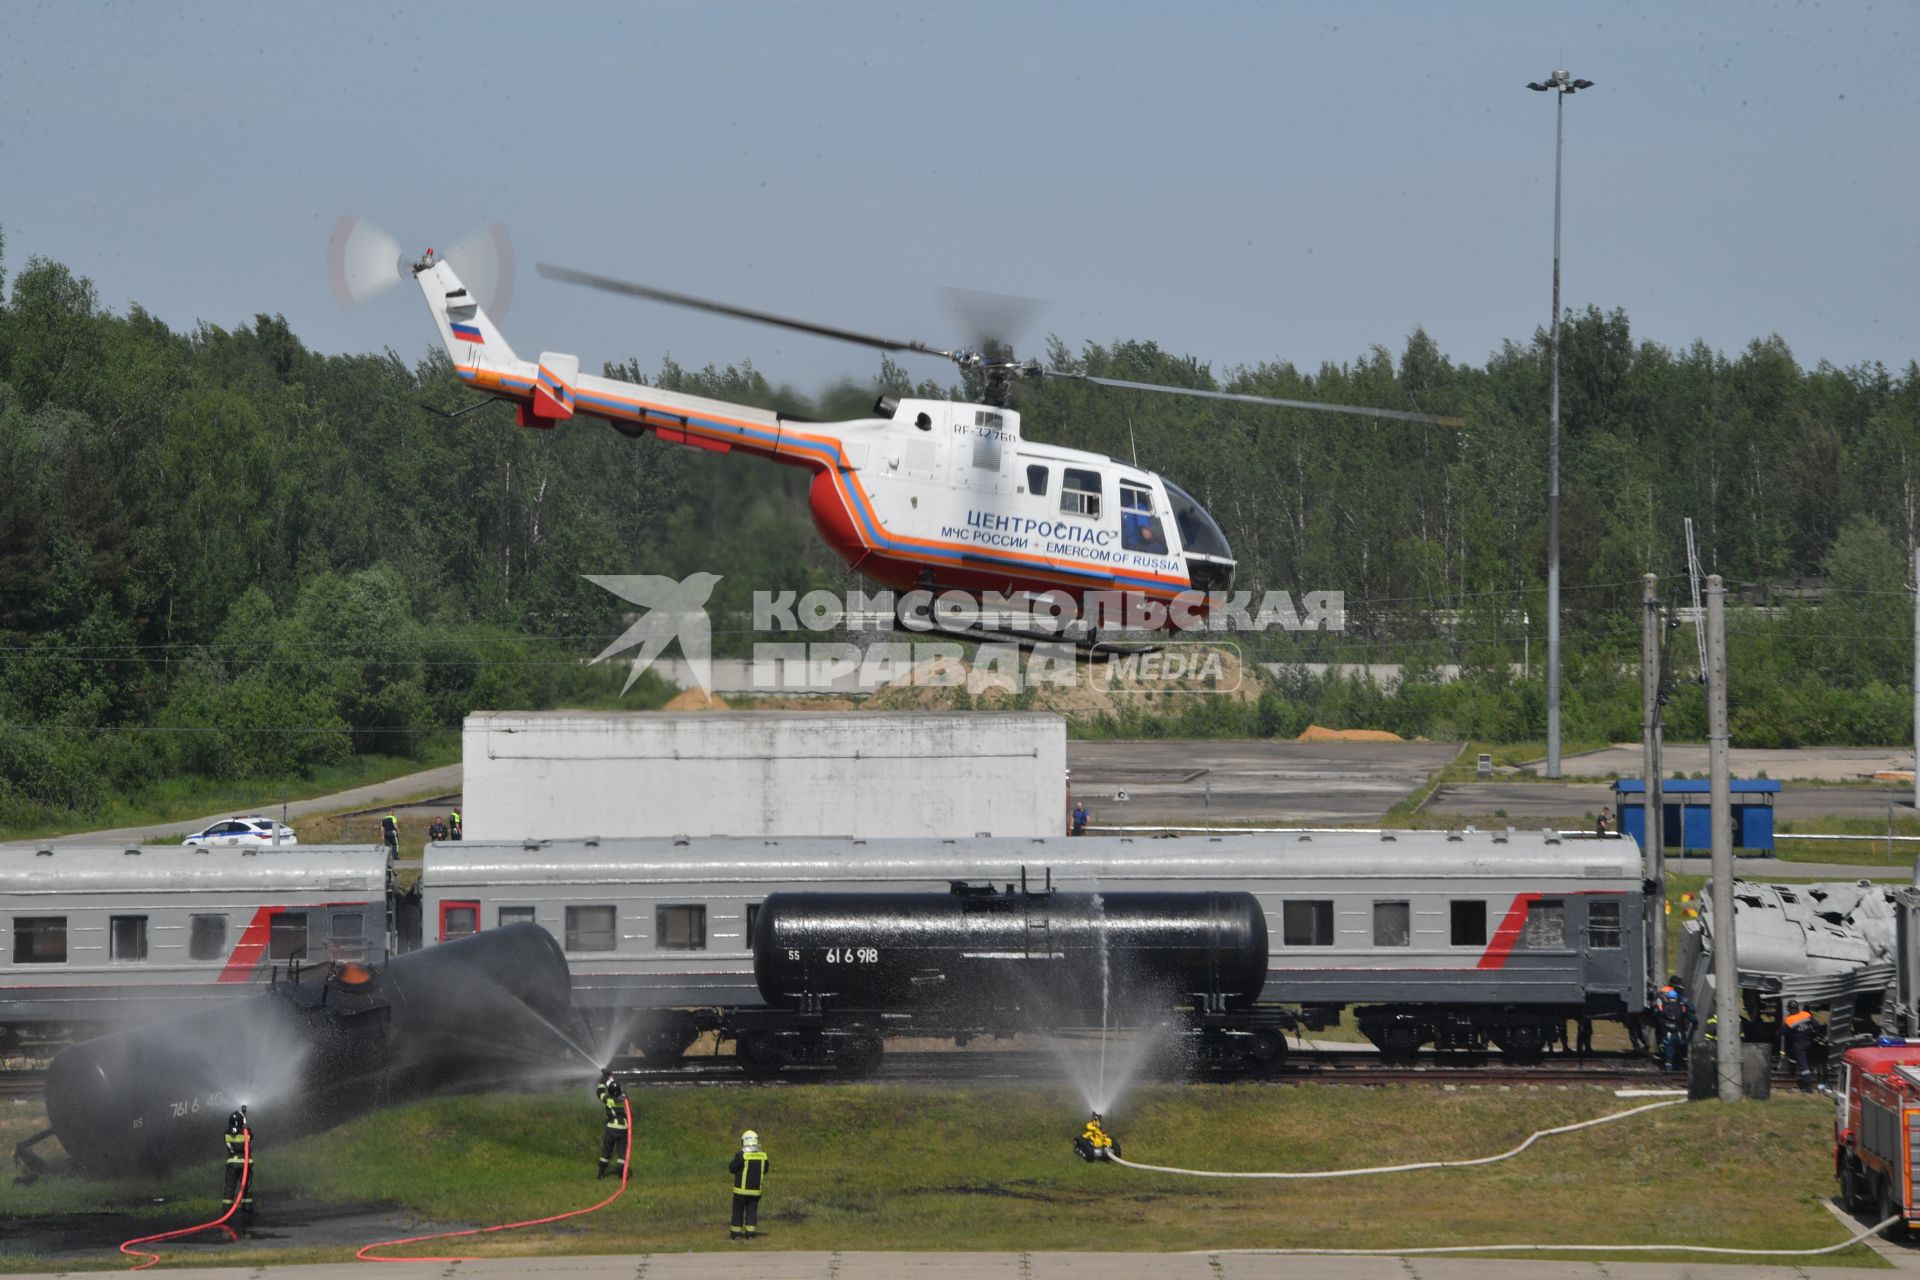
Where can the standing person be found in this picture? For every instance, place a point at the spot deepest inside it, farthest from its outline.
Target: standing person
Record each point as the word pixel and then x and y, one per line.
pixel 1676 1027
pixel 1080 816
pixel 239 1146
pixel 453 824
pixel 749 1170
pixel 1603 824
pixel 1800 1026
pixel 390 832
pixel 613 1138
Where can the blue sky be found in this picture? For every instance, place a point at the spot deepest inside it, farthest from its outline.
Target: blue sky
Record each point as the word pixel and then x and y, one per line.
pixel 1241 182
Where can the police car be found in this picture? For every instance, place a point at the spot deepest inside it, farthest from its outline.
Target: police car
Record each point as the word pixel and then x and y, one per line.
pixel 250 833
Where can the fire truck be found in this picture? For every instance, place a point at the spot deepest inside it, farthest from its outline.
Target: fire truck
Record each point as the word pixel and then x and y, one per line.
pixel 1875 1130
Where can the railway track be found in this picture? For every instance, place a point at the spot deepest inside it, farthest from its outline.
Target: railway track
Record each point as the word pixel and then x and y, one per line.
pixel 22 1084
pixel 1025 1066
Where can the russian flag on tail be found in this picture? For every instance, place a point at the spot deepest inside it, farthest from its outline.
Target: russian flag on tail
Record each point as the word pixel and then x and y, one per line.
pixel 468 333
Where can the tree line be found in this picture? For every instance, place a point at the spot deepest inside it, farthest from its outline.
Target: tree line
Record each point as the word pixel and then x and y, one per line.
pixel 224 554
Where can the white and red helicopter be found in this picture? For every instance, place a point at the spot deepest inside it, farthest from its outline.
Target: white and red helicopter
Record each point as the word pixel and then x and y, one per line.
pixel 925 495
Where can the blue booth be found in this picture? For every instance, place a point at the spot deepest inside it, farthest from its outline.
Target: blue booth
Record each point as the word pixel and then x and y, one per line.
pixel 1689 813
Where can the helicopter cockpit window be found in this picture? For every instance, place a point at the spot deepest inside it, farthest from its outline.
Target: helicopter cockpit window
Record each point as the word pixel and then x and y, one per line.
pixel 1199 535
pixel 1139 527
pixel 1080 493
pixel 1037 481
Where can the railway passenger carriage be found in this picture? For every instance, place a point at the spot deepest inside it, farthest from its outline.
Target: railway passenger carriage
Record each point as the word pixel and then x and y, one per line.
pixel 90 936
pixel 1452 939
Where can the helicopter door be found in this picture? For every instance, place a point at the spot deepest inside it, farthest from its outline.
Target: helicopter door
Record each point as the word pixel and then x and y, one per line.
pixel 1139 527
pixel 979 458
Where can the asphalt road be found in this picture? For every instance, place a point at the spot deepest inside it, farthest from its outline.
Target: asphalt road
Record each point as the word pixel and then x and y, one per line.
pixel 1258 783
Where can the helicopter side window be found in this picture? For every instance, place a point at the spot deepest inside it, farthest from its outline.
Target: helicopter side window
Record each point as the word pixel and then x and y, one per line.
pixel 1080 493
pixel 1037 481
pixel 1139 527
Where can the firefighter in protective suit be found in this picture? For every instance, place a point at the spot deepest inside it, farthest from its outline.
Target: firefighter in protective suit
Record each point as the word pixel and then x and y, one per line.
pixel 239 1146
pixel 1094 1142
pixel 749 1170
pixel 613 1138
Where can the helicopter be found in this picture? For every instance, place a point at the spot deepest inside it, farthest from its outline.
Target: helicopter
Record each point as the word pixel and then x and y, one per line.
pixel 932 496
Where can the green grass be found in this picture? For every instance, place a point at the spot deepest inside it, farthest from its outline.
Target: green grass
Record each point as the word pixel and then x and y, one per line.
pixel 893 1168
pixel 180 798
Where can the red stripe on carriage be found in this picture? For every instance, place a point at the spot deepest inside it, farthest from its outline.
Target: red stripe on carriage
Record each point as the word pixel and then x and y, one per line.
pixel 1495 956
pixel 252 945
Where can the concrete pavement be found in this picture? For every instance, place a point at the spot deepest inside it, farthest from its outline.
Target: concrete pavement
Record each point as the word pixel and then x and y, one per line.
pixel 748 1262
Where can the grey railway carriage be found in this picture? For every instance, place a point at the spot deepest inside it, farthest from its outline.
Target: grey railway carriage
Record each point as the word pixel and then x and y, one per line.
pixel 92 936
pixel 1456 940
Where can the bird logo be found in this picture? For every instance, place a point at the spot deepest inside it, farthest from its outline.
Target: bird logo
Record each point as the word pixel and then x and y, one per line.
pixel 674 609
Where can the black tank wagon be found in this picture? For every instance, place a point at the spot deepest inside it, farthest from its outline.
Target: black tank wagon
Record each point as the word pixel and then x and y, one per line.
pixel 330 1042
pixel 838 971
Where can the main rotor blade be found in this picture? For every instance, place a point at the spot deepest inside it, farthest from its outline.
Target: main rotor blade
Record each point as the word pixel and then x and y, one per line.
pixel 1400 415
pixel 632 290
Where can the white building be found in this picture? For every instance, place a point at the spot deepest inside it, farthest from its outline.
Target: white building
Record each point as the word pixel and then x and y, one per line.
pixel 559 775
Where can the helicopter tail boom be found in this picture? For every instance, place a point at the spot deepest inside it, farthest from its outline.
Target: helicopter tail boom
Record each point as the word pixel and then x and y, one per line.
pixel 479 350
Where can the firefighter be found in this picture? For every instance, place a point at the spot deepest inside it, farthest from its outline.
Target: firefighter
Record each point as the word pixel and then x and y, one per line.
pixel 613 1138
pixel 239 1145
pixel 1080 816
pixel 1800 1026
pixel 390 833
pixel 453 825
pixel 749 1170
pixel 1677 1023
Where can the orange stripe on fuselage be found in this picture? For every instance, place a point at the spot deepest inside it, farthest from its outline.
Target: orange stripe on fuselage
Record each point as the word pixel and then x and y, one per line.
pixel 1076 571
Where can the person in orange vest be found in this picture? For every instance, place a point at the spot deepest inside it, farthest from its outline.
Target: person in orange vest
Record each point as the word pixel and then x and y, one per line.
pixel 1800 1026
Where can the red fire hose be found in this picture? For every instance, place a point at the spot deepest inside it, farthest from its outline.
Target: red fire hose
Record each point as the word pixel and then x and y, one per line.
pixel 366 1254
pixel 246 1176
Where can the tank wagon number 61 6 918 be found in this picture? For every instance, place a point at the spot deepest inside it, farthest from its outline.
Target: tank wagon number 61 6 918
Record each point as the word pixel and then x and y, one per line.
pixel 846 955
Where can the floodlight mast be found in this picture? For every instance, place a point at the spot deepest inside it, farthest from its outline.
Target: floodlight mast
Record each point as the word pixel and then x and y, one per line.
pixel 1562 86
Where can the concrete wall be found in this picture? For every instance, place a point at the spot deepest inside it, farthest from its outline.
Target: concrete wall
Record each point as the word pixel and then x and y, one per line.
pixel 571 774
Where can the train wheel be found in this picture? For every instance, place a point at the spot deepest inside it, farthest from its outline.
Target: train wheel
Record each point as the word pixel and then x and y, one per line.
pixel 1397 1041
pixel 759 1053
pixel 1266 1051
pixel 1522 1042
pixel 858 1055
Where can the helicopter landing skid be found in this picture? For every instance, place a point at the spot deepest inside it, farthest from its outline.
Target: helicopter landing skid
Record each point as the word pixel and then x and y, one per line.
pixel 1087 645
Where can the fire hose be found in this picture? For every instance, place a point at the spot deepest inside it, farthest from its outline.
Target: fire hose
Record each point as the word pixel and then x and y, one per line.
pixel 1496 1248
pixel 246 1176
pixel 366 1252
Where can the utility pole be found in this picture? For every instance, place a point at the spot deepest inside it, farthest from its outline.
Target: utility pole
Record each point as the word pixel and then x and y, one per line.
pixel 1653 830
pixel 1726 977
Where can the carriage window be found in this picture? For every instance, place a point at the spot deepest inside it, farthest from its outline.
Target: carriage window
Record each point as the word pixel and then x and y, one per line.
pixel 1080 492
pixel 1037 481
pixel 127 938
pixel 1603 925
pixel 39 939
pixel 288 940
pixel 348 930
pixel 753 920
pixel 680 928
pixel 515 915
pixel 1546 926
pixel 590 929
pixel 1392 924
pixel 1469 920
pixel 458 919
pixel 1307 924
pixel 1139 527
pixel 207 938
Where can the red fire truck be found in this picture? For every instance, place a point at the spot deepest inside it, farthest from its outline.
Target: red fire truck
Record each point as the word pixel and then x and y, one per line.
pixel 1875 1131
